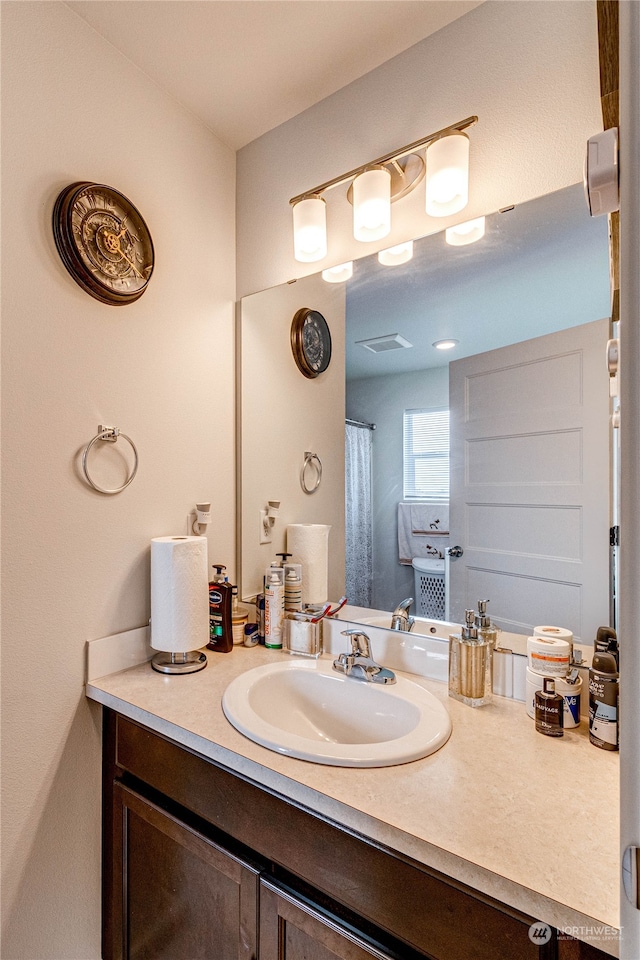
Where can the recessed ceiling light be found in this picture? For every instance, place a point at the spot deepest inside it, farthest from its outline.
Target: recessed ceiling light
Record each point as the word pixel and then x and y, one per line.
pixel 464 233
pixel 445 344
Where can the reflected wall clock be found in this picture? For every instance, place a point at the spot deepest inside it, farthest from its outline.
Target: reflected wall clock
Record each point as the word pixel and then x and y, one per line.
pixel 310 342
pixel 103 242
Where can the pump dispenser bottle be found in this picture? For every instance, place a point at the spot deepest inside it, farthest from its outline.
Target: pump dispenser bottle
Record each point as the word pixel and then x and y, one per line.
pixel 486 630
pixel 220 622
pixel 470 665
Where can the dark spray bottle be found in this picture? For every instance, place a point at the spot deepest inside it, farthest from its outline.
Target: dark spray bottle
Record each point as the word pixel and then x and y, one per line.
pixel 604 694
pixel 549 710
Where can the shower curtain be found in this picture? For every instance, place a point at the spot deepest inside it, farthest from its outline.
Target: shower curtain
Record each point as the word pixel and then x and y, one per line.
pixel 359 566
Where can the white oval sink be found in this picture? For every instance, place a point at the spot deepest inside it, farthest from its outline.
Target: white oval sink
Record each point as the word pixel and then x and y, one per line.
pixel 306 709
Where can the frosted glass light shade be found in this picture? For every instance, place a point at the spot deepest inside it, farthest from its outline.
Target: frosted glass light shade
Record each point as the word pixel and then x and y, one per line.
pixel 339 273
pixel 447 175
pixel 393 256
pixel 464 233
pixel 372 204
pixel 310 230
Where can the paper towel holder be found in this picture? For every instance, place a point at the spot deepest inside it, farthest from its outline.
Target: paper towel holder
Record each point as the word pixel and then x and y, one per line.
pixel 189 662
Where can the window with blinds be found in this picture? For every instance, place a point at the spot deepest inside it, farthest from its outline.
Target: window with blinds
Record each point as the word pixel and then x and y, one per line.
pixel 426 455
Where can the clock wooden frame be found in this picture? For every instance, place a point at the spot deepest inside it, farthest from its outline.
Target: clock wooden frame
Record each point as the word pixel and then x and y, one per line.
pixel 103 241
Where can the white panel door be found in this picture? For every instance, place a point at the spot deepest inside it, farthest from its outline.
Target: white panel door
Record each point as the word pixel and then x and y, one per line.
pixel 530 502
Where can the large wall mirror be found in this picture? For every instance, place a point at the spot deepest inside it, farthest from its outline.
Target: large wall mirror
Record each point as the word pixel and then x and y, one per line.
pixel 527 496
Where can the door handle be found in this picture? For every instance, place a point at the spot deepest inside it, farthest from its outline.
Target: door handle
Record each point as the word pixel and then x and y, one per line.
pixel 455 551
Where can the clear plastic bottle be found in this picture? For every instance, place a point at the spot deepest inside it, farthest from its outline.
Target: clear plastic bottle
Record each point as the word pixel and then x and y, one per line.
pixel 470 665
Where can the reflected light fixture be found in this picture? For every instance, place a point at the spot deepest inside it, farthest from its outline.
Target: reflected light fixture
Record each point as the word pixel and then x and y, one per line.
pixel 339 273
pixel 394 256
pixel 464 233
pixel 374 186
pixel 445 344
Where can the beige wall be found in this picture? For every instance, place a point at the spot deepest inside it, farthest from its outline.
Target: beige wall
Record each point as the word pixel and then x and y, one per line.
pixel 529 71
pixel 75 563
pixel 274 437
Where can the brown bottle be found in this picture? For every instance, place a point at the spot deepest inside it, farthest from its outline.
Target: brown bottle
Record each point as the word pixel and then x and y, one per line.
pixel 220 602
pixel 549 710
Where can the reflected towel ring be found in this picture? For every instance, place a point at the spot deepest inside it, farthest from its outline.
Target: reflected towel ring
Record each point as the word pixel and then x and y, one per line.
pixel 311 458
pixel 109 434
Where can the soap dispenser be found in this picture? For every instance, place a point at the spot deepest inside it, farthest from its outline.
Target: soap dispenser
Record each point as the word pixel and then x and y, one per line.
pixel 470 664
pixel 220 602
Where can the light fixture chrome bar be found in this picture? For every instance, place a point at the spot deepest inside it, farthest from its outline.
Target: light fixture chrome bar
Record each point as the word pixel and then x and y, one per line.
pixel 387 158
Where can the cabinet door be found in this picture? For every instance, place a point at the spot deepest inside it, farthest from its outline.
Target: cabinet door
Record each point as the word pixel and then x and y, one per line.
pixel 291 929
pixel 177 894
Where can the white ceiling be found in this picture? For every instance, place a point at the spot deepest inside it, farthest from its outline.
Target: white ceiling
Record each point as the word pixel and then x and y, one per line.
pixel 246 66
pixel 541 266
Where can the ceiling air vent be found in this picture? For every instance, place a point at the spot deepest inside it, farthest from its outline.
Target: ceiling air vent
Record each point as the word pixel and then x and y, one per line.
pixel 392 341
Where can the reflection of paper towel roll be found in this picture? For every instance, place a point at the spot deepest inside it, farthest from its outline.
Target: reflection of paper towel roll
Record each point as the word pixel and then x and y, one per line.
pixel 560 633
pixel 179 594
pixel 308 543
pixel 549 656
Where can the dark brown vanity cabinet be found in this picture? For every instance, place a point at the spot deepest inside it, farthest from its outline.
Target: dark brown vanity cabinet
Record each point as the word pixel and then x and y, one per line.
pixel 200 863
pixel 180 894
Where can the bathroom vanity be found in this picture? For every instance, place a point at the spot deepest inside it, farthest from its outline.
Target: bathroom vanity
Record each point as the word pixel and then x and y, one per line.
pixel 217 847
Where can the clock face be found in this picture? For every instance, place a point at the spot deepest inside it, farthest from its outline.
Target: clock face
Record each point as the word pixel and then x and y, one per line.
pixel 103 242
pixel 310 342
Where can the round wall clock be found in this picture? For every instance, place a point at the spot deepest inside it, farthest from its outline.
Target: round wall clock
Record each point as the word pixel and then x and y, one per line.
pixel 103 242
pixel 310 342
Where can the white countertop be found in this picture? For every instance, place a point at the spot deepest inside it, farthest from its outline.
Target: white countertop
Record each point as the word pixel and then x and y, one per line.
pixel 529 820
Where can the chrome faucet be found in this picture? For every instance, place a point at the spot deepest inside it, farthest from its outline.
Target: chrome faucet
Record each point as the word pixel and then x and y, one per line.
pixel 400 619
pixel 360 663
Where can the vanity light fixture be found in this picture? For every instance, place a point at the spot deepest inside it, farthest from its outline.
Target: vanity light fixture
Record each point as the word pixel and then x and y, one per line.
pixel 394 256
pixel 445 344
pixel 374 186
pixel 447 174
pixel 464 233
pixel 310 229
pixel 339 273
pixel 372 204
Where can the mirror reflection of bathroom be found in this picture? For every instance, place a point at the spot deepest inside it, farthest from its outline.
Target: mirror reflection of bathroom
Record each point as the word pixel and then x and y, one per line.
pixel 483 470
pixel 526 473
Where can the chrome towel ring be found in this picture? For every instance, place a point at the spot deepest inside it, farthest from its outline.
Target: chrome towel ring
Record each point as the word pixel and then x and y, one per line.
pixel 311 459
pixel 109 434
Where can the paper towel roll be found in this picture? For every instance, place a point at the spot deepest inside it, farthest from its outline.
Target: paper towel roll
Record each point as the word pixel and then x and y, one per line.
pixel 179 594
pixel 308 543
pixel 560 633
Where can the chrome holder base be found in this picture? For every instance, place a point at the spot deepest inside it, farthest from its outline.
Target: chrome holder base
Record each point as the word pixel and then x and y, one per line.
pixel 189 662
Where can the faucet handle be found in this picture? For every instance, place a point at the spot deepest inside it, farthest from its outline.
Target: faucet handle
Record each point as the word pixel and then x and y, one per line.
pixel 360 643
